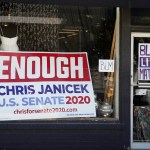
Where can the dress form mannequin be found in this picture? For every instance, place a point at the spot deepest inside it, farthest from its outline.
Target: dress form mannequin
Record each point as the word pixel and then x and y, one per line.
pixel 9 37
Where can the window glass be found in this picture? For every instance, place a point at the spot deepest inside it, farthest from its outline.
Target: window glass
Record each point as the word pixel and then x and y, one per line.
pixel 54 28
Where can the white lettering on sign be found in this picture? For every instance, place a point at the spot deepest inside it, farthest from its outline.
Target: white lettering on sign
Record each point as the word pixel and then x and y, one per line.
pixel 46 67
pixel 106 65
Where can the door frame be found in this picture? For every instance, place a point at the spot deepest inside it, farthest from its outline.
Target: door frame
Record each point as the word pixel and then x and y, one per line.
pixel 135 145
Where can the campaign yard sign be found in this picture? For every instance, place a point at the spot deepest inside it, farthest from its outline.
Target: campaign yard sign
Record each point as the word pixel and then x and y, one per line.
pixel 41 85
pixel 144 62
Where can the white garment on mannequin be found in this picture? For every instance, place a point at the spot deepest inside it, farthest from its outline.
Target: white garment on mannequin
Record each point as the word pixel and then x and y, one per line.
pixel 9 44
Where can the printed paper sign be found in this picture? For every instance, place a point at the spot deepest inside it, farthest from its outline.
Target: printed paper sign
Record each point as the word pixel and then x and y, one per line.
pixel 106 65
pixel 144 62
pixel 45 85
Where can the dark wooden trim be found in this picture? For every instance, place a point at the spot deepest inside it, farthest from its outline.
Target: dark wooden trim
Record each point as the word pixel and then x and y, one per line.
pixel 125 65
pixel 140 28
pixel 102 3
pixel 139 3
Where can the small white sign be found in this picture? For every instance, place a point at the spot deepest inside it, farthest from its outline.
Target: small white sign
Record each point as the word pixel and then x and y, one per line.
pixel 106 65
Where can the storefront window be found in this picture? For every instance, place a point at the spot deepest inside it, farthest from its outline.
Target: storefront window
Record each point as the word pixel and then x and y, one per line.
pixel 141 90
pixel 54 28
pixel 141 81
